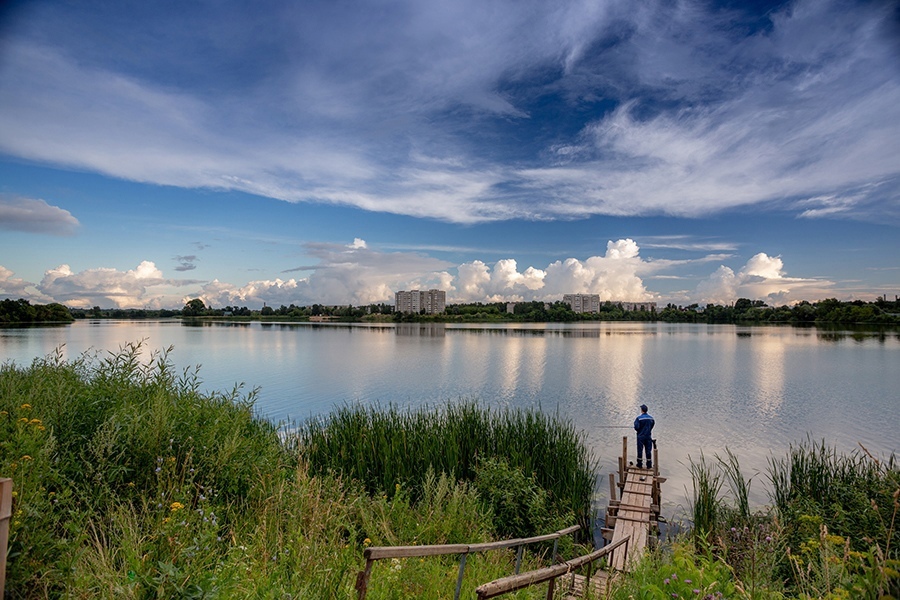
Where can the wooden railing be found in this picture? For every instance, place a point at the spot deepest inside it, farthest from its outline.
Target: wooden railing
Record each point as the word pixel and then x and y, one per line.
pixel 383 552
pixel 6 486
pixel 512 583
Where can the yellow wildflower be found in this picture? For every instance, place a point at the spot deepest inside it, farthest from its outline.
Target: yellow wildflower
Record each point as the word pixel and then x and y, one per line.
pixel 166 520
pixel 3 412
pixel 34 422
pixel 23 420
pixel 176 506
pixel 41 428
pixel 26 457
pixel 367 542
pixel 25 406
pixel 171 459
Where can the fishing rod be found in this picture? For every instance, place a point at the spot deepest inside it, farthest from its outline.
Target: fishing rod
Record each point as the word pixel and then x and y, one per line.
pixel 613 427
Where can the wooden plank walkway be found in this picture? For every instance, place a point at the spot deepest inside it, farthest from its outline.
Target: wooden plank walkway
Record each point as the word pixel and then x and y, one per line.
pixel 636 513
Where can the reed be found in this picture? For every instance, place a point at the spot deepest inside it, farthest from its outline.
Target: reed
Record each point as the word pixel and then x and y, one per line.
pixel 385 447
pixel 705 501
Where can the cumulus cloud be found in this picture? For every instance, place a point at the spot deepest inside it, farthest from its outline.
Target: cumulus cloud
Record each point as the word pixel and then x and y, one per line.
pixel 135 288
pixel 16 287
pixel 357 274
pixel 35 216
pixel 344 274
pixel 761 278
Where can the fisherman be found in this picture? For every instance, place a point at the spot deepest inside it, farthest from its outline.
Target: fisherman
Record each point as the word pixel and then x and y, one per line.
pixel 643 425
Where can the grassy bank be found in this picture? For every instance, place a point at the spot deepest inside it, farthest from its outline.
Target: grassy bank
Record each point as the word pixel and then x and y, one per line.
pixel 831 532
pixel 130 482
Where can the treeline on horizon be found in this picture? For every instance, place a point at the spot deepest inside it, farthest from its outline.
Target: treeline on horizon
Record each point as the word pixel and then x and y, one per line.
pixel 831 310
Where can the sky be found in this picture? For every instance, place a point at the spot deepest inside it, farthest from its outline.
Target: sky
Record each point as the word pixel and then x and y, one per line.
pixel 335 152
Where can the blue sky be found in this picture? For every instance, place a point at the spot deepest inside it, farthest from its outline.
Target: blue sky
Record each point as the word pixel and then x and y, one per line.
pixel 336 152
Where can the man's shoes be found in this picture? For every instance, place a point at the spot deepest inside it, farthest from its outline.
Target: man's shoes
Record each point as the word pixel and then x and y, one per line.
pixel 649 465
pixel 640 464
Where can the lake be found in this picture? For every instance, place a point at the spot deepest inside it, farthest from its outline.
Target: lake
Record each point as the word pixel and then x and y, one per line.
pixel 754 390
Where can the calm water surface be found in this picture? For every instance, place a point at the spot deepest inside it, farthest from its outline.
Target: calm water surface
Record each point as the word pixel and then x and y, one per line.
pixel 754 390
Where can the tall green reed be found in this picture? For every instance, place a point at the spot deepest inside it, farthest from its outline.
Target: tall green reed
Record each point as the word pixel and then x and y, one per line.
pixel 383 447
pixel 705 502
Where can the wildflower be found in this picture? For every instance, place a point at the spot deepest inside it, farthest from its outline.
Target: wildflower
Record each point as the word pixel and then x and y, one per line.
pixel 25 406
pixel 3 412
pixel 696 591
pixel 176 506
pixel 34 422
pixel 768 538
pixel 171 459
pixel 26 457
pixel 666 581
pixel 688 581
pixel 158 469
pixel 166 520
pixel 41 428
pixel 367 542
pixel 23 420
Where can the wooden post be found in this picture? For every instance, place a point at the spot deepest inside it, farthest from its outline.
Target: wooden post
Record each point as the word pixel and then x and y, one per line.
pixel 655 461
pixel 6 487
pixel 621 473
pixel 624 451
pixel 612 488
pixel 459 578
pixel 550 587
pixel 362 579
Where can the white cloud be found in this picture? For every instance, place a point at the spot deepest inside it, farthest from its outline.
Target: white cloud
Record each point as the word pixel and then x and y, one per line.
pixel 761 278
pixel 140 287
pixel 806 112
pixel 34 215
pixel 357 274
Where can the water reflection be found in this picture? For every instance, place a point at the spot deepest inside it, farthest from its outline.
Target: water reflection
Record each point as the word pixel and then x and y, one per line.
pixel 768 368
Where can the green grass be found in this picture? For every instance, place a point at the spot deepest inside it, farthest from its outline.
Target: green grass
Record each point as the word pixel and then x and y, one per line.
pixel 385 447
pixel 830 531
pixel 131 483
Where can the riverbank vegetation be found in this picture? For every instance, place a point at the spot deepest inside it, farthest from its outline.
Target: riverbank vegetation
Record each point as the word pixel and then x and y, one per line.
pixel 744 311
pixel 132 483
pixel 13 312
pixel 830 532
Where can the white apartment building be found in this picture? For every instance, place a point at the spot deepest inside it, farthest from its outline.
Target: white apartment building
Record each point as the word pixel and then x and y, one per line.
pixel 590 303
pixel 415 301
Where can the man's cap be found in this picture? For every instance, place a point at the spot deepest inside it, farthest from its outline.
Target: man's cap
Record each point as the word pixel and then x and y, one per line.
pixel 644 407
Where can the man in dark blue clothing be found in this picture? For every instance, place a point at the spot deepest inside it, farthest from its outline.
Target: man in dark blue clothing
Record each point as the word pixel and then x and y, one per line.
pixel 644 425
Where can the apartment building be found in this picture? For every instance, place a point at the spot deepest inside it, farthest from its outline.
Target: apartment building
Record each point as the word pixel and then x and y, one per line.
pixel 431 302
pixel 591 303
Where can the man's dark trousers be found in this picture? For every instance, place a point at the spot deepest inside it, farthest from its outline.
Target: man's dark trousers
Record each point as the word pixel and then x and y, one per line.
pixel 645 445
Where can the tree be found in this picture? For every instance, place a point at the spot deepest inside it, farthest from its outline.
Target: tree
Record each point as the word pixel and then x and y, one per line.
pixel 194 308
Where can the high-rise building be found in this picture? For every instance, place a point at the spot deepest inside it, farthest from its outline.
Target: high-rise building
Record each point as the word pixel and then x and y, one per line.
pixel 590 303
pixel 431 302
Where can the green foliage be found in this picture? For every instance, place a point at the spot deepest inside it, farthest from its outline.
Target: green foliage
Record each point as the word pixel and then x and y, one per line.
pixel 130 483
pixel 705 505
pixel 677 572
pixel 22 311
pixel 385 447
pixel 853 495
pixel 518 506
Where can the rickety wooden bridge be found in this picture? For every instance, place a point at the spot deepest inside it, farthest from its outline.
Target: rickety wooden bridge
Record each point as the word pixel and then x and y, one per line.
pixel 631 517
pixel 635 515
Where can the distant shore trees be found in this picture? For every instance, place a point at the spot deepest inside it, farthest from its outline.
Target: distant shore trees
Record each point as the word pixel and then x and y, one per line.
pixel 22 311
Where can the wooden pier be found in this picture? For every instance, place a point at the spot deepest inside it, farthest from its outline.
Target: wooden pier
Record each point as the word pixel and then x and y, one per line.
pixel 631 520
pixel 635 514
